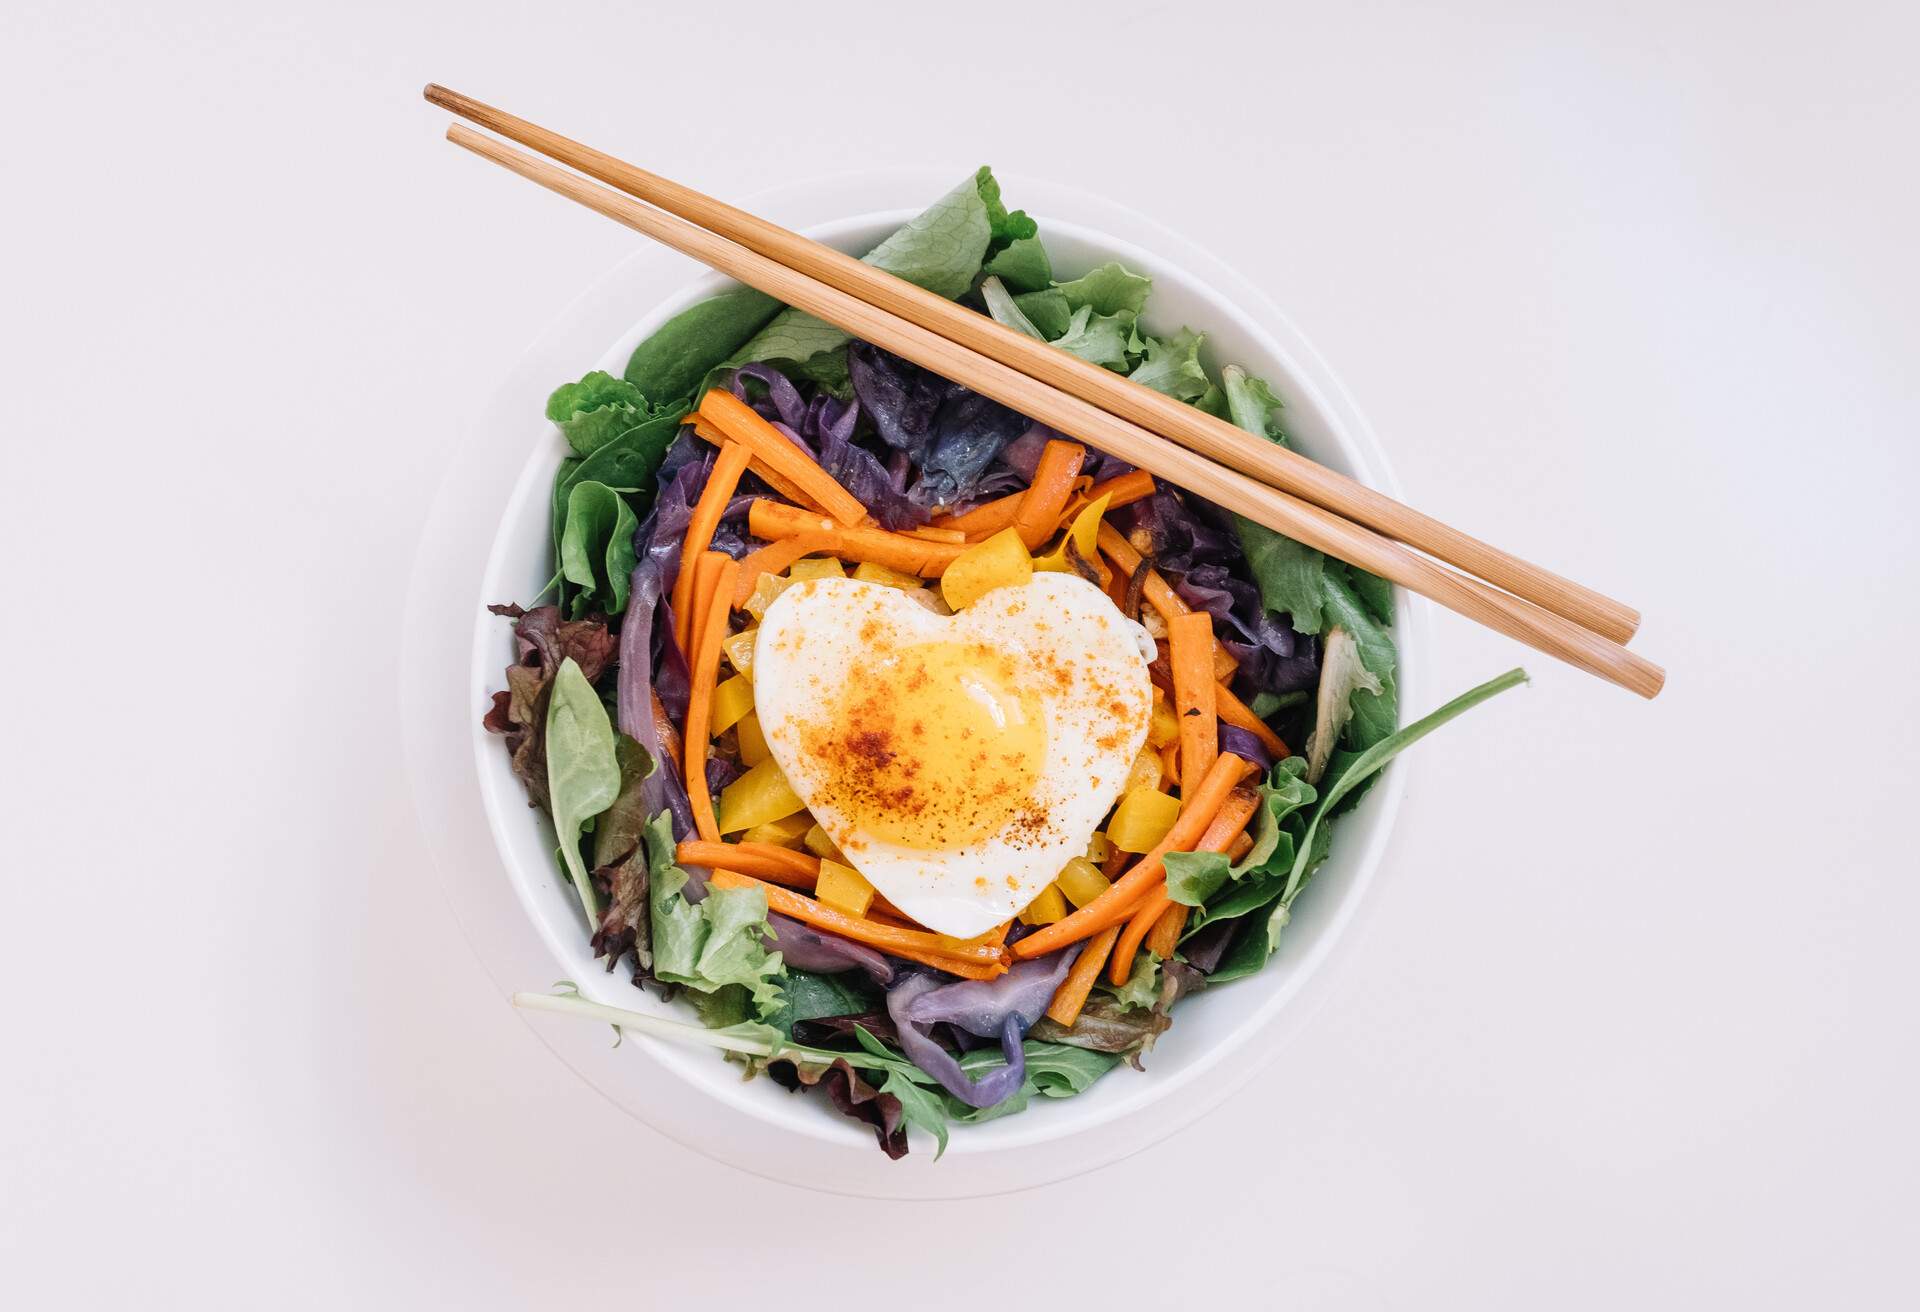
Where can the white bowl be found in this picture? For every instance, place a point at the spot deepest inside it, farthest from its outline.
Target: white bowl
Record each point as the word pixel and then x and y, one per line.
pixel 1219 1038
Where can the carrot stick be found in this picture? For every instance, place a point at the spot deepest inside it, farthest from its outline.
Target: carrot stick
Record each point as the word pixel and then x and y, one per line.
pixel 737 420
pixel 1230 821
pixel 706 517
pixel 933 533
pixel 780 483
pixel 1046 496
pixel 1159 593
pixel 1238 713
pixel 1073 990
pixel 774 558
pixel 777 865
pixel 706 670
pixel 1164 937
pixel 1190 653
pixel 989 517
pixel 1118 902
pixel 909 555
pixel 916 945
pixel 1242 845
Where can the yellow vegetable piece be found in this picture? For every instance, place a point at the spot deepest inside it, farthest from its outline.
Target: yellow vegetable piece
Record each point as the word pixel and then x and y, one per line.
pixel 1083 533
pixel 843 888
pixel 757 797
pixel 739 650
pixel 1163 726
pixel 820 845
pixel 753 743
pixel 765 590
pixel 1081 881
pixel 817 567
pixel 868 572
pixel 999 562
pixel 731 700
pixel 781 833
pixel 1099 849
pixel 1142 819
pixel 1046 908
pixel 1144 773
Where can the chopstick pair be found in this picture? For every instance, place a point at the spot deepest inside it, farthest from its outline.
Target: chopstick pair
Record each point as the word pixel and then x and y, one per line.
pixel 1252 477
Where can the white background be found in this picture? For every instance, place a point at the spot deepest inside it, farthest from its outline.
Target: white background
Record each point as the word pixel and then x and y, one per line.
pixel 1627 287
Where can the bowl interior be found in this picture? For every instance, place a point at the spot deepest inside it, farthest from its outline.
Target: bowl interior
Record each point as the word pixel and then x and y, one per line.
pixel 1211 1025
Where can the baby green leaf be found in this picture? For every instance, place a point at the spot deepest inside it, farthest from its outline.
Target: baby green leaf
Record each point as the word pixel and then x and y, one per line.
pixel 1108 289
pixel 583 774
pixel 596 548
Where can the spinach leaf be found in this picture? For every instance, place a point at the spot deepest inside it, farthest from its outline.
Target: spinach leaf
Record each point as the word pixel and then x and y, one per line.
pixel 719 942
pixel 596 548
pixel 1023 265
pixel 810 996
pixel 583 774
pixel 595 410
pixel 1108 289
pixel 1173 366
pixel 671 363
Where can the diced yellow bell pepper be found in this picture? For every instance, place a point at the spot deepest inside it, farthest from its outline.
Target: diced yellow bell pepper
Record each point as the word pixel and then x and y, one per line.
pixel 760 795
pixel 1046 908
pixel 816 567
pixel 1163 726
pixel 999 562
pixel 1143 773
pixel 868 572
pixel 785 832
pixel 1099 849
pixel 817 842
pixel 731 700
pixel 765 589
pixel 753 743
pixel 739 650
pixel 1142 819
pixel 1082 881
pixel 843 888
pixel 1083 533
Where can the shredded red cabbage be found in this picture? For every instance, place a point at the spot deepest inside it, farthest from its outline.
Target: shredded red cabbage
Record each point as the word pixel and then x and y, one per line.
pixel 1003 1008
pixel 806 948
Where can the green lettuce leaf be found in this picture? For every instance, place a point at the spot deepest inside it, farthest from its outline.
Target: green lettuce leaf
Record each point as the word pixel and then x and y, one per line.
pixel 1098 338
pixel 1108 289
pixel 1022 266
pixel 597 409
pixel 1142 988
pixel 715 943
pixel 1196 878
pixel 1342 677
pixel 596 548
pixel 1004 310
pixel 1006 226
pixel 1173 366
pixel 1047 310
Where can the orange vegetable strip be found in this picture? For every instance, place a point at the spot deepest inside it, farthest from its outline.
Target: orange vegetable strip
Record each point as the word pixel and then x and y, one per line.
pixel 780 483
pixel 989 517
pixel 774 558
pixel 706 517
pixel 1117 903
pixel 1170 765
pixel 737 420
pixel 1241 845
pixel 1116 862
pixel 706 669
pixel 915 944
pixel 1231 820
pixel 1190 653
pixel 663 726
pixel 933 533
pixel 1046 496
pixel 1164 937
pixel 1073 990
pixel 778 865
pixel 1158 592
pixel 909 555
pixel 1238 713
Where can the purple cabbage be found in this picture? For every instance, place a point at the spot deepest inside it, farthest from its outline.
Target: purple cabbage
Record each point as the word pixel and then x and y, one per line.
pixel 782 401
pixel 1022 455
pixel 901 399
pixel 1244 744
pixel 806 948
pixel 968 433
pixel 1003 1008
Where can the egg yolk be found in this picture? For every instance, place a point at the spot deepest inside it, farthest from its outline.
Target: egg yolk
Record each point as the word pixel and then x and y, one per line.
pixel 932 746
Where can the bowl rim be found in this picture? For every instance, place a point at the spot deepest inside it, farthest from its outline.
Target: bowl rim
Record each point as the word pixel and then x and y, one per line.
pixel 1306 378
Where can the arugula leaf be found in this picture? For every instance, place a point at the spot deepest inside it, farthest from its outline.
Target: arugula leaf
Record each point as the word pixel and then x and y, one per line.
pixel 671 363
pixel 1173 366
pixel 1023 265
pixel 719 942
pixel 583 774
pixel 940 249
pixel 1054 1070
pixel 921 1106
pixel 1108 289
pixel 1098 338
pixel 596 548
pixel 595 410
pixel 1047 310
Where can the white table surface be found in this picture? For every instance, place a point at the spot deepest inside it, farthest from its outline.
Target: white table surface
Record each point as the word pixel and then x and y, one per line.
pixel 1627 287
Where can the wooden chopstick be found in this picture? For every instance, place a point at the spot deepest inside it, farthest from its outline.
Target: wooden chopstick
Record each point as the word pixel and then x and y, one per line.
pixel 1298 519
pixel 1215 438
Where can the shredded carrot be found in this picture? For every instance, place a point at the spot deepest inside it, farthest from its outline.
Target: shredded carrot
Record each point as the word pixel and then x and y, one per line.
pixel 706 517
pixel 778 865
pixel 1046 496
pixel 931 533
pixel 706 670
pixel 909 555
pixel 664 728
pixel 989 517
pixel 737 420
pixel 1238 713
pixel 1158 592
pixel 779 482
pixel 774 558
pixel 1230 820
pixel 1073 990
pixel 1164 937
pixel 1118 902
pixel 1242 844
pixel 915 945
pixel 1190 653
